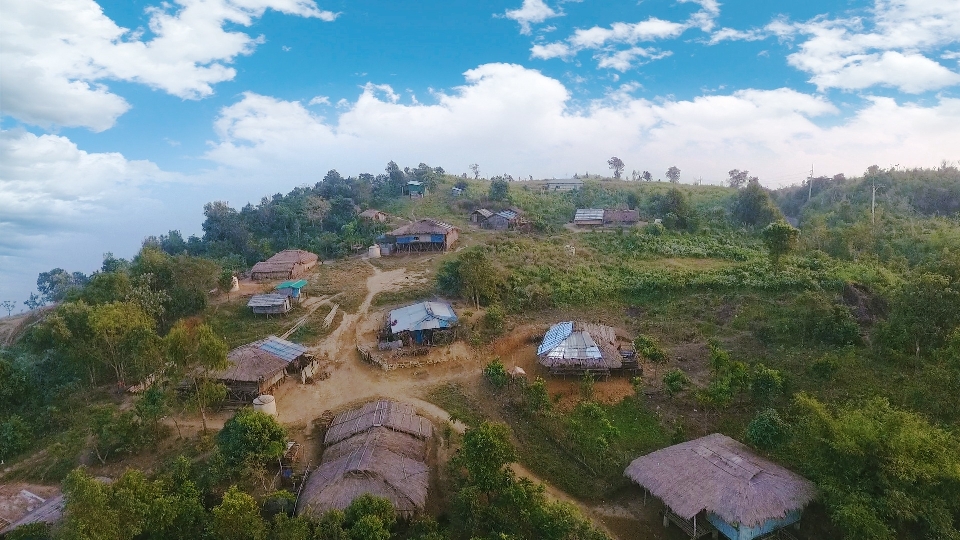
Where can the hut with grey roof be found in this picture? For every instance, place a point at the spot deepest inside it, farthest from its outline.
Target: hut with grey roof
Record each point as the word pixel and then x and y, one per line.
pixel 418 323
pixel 380 449
pixel 575 347
pixel 715 483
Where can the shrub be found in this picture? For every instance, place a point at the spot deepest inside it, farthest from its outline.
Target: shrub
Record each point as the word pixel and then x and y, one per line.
pixel 767 430
pixel 15 436
pixel 654 229
pixel 674 381
pixel 251 437
pixel 494 320
pixel 649 348
pixel 538 400
pixel 496 374
pixel 586 386
pixel 825 367
pixel 767 384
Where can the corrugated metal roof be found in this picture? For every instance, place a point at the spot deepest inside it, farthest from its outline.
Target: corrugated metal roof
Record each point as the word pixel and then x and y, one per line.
pixel 414 183
pixel 267 300
pixel 554 336
pixel 292 284
pixel 422 316
pixel 281 348
pixel 509 214
pixel 588 214
pixel 483 212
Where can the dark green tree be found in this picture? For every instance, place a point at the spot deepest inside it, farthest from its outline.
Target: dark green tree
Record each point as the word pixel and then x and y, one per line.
pixel 251 437
pixel 780 238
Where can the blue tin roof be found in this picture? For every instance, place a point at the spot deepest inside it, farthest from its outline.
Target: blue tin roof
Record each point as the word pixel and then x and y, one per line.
pixel 281 348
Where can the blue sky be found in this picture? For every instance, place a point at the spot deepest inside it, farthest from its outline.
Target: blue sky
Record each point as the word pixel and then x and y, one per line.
pixel 120 119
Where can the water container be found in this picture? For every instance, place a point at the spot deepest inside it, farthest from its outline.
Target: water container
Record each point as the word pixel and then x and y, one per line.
pixel 374 252
pixel 266 404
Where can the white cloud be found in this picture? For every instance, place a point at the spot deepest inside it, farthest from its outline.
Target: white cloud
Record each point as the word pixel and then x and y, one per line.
pixel 732 34
pixel 842 53
pixel 512 119
pixel 625 59
pixel 319 100
pixel 648 30
pixel 531 12
pixel 55 56
pixel 552 50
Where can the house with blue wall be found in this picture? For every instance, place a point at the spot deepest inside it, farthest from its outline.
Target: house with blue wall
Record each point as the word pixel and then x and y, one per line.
pixel 292 289
pixel 715 485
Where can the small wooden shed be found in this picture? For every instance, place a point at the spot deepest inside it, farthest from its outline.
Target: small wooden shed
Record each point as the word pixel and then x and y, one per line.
pixel 270 304
pixel 480 215
pixel 292 289
pixel 715 483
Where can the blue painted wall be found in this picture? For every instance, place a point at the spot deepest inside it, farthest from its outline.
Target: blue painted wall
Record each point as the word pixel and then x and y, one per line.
pixel 749 533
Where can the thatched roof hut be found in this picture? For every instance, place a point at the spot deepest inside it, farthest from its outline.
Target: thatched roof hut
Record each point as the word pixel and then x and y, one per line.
pixel 389 414
pixel 575 346
pixel 287 264
pixel 255 368
pixel 380 449
pixel 425 235
pixel 742 494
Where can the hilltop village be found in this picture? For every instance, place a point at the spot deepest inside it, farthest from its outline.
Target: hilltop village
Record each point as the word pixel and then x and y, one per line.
pixel 424 356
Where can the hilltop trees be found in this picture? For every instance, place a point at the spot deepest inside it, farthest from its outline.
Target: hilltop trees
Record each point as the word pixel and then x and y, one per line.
pixel 499 188
pixel 616 165
pixel 753 206
pixel 737 178
pixel 673 173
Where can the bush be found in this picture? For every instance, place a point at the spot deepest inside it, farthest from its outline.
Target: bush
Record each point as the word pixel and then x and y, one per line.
pixel 494 320
pixel 767 430
pixel 674 381
pixel 654 229
pixel 646 346
pixel 15 436
pixel 767 384
pixel 251 437
pixel 496 374
pixel 538 400
pixel 30 531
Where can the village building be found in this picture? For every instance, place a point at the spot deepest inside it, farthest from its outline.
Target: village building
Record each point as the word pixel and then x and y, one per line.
pixel 588 217
pixel 502 220
pixel 620 217
pixel 423 235
pixel 480 216
pixel 715 483
pixel 380 448
pixel 287 264
pixel 574 347
pixel 374 215
pixel 416 189
pixel 270 304
pixel 564 184
pixel 292 289
pixel 417 323
pixel 259 367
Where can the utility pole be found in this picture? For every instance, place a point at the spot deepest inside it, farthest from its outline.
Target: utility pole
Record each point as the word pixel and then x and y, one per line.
pixel 810 184
pixel 873 203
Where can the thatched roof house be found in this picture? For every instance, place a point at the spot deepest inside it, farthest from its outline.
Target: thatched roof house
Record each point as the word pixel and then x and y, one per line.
pixel 374 215
pixel 740 493
pixel 381 449
pixel 480 215
pixel 425 235
pixel 287 264
pixel 256 368
pixel 575 346
pixel 620 217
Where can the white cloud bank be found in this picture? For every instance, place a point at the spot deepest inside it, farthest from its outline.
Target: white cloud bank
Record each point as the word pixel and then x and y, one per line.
pixel 531 12
pixel 515 120
pixel 56 55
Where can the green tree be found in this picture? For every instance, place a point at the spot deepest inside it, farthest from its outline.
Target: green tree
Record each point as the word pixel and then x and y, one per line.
pixel 34 302
pixel 676 210
pixel 486 452
pixel 8 305
pixel 674 381
pixel 478 278
pixel 923 312
pixel 673 173
pixel 780 238
pixel 767 430
pixel 496 373
pixel 237 517
pixel 124 339
pixel 251 437
pixel 538 400
pixel 753 206
pixel 586 386
pixel 196 347
pixel 499 187
pixel 767 384
pixel 616 165
pixel 30 531
pixel 649 349
pixel 366 506
pixel 882 473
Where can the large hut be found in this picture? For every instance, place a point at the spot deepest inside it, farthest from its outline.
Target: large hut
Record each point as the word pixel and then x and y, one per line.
pixel 380 449
pixel 287 264
pixel 716 483
pixel 256 368
pixel 424 235
pixel 574 347
pixel 418 322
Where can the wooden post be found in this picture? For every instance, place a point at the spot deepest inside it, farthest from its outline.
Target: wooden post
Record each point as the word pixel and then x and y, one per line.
pixel 694 525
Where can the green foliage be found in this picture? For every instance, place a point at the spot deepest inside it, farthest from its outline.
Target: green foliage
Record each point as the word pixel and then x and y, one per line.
pixel 494 320
pixel 586 386
pixel 471 276
pixel 496 374
pixel 591 428
pixel 753 206
pixel 486 452
pixel 649 349
pixel 251 437
pixel 237 517
pixel 767 430
pixel 923 312
pixel 116 433
pixel 674 381
pixel 369 506
pixel 766 385
pixel 30 531
pixel 538 400
pixel 675 209
pixel 780 238
pixel 499 187
pixel 883 473
pixel 15 436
